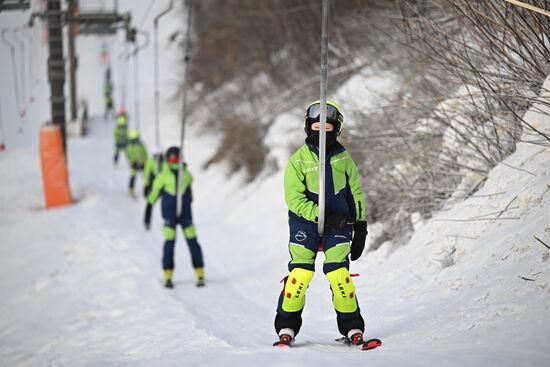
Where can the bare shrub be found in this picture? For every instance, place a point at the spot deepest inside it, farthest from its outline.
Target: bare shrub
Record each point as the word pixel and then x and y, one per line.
pixel 467 71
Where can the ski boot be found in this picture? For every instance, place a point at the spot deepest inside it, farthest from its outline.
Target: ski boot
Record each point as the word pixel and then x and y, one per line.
pixel 355 337
pixel 168 278
pixel 199 272
pixel 286 337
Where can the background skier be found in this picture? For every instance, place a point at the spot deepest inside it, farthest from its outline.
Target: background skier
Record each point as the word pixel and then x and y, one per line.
pixel 137 157
pixel 120 133
pixel 165 185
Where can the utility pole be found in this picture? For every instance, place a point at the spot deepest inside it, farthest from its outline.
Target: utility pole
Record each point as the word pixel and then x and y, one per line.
pixel 72 60
pixel 56 67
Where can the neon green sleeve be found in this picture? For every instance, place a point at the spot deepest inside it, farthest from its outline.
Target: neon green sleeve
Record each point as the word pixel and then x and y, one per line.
pixel 186 181
pixel 295 194
pixel 158 186
pixel 355 186
pixel 142 153
pixel 118 134
pixel 147 170
pixel 131 153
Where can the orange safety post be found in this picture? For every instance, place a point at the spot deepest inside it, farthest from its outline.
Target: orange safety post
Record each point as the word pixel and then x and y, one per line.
pixel 54 167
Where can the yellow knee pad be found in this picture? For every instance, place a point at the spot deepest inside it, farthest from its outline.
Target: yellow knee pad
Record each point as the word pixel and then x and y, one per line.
pixel 189 232
pixel 295 289
pixel 343 291
pixel 169 233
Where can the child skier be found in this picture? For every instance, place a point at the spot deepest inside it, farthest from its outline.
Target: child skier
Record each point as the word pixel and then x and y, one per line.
pixel 345 210
pixel 165 185
pixel 120 133
pixel 108 100
pixel 137 157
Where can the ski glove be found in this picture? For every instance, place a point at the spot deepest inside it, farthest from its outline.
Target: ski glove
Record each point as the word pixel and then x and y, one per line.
pixel 137 166
pixel 146 191
pixel 339 221
pixel 358 243
pixel 147 219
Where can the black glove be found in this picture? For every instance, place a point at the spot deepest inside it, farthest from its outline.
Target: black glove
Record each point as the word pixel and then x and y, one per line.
pixel 358 243
pixel 146 191
pixel 338 221
pixel 147 219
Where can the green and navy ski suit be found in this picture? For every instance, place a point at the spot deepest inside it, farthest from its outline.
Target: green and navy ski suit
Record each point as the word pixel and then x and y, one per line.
pixel 343 196
pixel 137 157
pixel 120 135
pixel 164 186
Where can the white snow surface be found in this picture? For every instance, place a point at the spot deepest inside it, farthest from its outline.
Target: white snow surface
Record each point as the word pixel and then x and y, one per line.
pixel 81 285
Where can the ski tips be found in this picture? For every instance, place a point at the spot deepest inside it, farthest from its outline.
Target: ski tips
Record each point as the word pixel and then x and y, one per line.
pixel 371 344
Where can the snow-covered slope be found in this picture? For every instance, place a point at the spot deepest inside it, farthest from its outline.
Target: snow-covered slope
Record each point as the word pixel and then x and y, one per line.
pixel 81 285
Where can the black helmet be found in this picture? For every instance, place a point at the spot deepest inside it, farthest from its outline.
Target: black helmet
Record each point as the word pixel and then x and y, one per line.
pixel 334 116
pixel 172 155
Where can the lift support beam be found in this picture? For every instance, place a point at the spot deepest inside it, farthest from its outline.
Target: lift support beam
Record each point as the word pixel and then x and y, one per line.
pixel 14 5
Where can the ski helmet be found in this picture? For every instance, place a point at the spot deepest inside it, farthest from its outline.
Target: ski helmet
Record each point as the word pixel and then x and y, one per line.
pixel 334 116
pixel 121 120
pixel 172 155
pixel 134 134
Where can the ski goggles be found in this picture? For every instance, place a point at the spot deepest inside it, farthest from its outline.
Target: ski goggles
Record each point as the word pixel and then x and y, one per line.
pixel 313 113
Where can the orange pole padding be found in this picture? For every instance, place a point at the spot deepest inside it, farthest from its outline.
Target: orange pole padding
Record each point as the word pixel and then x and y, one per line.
pixel 55 175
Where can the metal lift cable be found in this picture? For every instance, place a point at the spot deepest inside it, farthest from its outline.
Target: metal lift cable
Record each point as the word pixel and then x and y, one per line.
pixel 135 53
pixel 28 36
pixel 2 137
pixel 23 58
pixel 123 68
pixel 136 89
pixel 157 77
pixel 14 76
pixel 184 105
pixel 323 118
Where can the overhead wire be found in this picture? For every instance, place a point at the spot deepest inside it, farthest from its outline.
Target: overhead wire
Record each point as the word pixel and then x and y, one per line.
pixel 14 77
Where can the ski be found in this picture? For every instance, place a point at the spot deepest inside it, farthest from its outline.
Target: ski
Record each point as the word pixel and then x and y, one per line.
pixel 366 345
pixel 284 341
pixel 279 343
